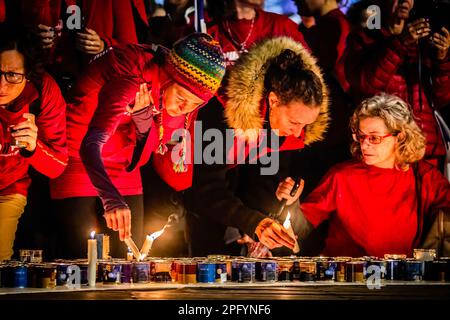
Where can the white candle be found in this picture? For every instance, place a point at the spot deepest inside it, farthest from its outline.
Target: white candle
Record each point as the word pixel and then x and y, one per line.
pixel 146 246
pixel 148 243
pixel 287 225
pixel 92 260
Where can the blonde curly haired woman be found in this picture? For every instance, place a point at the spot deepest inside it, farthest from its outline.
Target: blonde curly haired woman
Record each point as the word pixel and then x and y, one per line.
pixel 372 201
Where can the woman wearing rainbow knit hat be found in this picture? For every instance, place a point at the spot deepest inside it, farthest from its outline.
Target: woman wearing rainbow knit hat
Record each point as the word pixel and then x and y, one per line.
pixel 107 144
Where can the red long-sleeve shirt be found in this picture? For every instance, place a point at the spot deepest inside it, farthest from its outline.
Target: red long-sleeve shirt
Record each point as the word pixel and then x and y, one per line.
pixel 373 211
pixel 50 155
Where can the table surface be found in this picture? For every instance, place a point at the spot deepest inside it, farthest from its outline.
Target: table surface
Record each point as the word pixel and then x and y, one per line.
pixel 234 291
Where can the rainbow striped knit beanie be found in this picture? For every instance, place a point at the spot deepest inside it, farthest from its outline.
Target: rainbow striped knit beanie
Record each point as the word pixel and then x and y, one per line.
pixel 197 63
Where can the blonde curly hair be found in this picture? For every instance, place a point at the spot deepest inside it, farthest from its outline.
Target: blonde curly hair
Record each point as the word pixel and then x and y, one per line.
pixel 399 120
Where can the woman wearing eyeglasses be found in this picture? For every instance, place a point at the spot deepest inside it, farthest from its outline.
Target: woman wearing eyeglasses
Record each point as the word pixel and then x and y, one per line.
pixel 371 202
pixel 32 131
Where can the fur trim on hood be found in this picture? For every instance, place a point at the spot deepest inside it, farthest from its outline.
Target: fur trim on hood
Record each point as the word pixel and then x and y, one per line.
pixel 245 89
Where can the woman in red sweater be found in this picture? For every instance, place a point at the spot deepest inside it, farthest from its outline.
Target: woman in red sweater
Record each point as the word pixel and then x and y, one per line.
pixel 107 145
pixel 371 202
pixel 32 131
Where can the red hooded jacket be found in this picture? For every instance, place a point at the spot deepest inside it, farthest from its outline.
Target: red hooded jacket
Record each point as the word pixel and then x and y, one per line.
pixel 50 155
pixel 242 107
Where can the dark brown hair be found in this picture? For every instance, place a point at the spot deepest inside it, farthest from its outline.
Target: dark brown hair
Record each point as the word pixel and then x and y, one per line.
pixel 290 80
pixel 12 39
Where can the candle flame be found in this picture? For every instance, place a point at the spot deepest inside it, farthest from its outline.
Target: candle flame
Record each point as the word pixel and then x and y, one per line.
pixel 287 221
pixel 92 234
pixel 148 243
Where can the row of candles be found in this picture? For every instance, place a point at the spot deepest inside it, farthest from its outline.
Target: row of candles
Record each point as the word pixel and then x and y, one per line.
pixel 139 255
pixel 142 254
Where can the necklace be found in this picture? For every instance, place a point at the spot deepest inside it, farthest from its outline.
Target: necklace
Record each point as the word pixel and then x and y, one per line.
pixel 180 166
pixel 243 45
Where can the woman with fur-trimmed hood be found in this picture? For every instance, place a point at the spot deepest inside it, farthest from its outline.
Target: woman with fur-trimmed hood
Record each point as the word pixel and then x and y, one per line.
pixel 274 100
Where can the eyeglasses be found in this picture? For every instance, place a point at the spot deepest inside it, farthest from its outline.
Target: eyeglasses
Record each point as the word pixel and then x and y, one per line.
pixel 13 77
pixel 373 139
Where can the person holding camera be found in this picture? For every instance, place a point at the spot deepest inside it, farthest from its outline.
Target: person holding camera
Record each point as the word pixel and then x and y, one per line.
pixel 32 131
pixel 408 56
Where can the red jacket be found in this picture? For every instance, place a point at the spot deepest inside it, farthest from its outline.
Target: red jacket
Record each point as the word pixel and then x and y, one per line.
pixel 113 20
pixel 373 211
pixel 50 155
pixel 99 102
pixel 266 25
pixel 376 62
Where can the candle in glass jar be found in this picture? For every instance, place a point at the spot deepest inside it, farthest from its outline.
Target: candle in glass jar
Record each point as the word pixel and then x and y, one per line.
pixel 92 260
pixel 132 246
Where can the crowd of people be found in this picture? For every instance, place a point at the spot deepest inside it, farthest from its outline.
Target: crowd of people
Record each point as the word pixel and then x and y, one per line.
pixel 100 101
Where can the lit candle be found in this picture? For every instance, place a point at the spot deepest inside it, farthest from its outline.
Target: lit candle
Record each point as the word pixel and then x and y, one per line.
pixel 287 225
pixel 132 246
pixel 92 260
pixel 148 243
pixel 146 246
pixel 130 255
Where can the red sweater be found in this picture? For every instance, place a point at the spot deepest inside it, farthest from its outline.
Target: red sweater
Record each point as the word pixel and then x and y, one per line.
pixel 266 25
pixel 377 62
pixel 98 104
pixel 373 211
pixel 50 155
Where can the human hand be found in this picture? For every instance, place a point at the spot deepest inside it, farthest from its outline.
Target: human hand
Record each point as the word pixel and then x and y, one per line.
pixel 273 235
pixel 26 131
pixel 119 220
pixel 142 100
pixel 441 41
pixel 284 190
pixel 89 42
